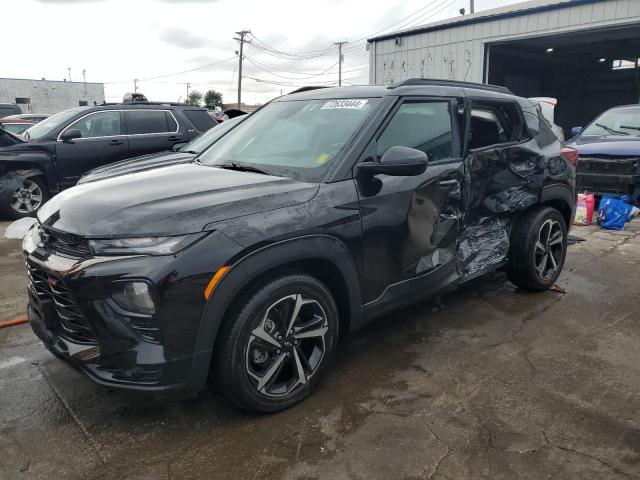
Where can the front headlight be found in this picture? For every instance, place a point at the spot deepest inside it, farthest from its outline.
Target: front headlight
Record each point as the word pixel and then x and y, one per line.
pixel 145 246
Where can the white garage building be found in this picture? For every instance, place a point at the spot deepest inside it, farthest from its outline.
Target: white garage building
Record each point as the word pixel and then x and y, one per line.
pixel 585 53
pixel 49 96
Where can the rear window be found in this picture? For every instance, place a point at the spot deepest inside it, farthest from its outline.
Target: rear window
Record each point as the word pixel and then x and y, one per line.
pixel 150 121
pixel 200 119
pixel 4 111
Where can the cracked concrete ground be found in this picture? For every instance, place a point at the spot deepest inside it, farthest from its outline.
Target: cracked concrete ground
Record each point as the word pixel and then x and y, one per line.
pixel 499 384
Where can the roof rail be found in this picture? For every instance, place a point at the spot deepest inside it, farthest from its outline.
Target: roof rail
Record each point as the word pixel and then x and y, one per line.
pixel 451 83
pixel 171 104
pixel 305 89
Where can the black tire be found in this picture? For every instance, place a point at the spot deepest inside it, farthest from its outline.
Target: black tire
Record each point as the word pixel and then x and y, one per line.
pixel 526 253
pixel 9 208
pixel 243 359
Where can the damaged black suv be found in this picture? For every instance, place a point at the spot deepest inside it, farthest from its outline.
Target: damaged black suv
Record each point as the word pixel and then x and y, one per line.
pixel 321 211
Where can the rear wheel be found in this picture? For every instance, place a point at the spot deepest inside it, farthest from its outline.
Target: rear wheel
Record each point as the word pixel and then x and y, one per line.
pixel 27 198
pixel 538 249
pixel 276 343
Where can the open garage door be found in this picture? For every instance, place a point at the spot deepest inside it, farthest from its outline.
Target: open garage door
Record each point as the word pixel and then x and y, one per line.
pixel 588 72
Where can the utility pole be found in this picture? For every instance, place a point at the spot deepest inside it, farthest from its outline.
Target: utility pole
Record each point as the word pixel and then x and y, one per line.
pixel 69 70
pixel 241 34
pixel 471 6
pixel 84 80
pixel 188 86
pixel 340 59
pixel 135 85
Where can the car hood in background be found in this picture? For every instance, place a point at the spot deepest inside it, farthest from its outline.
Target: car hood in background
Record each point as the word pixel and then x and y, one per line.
pixel 172 200
pixel 136 164
pixel 623 146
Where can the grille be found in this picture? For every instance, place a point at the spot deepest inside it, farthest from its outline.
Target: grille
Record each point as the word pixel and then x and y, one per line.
pixel 71 321
pixel 65 243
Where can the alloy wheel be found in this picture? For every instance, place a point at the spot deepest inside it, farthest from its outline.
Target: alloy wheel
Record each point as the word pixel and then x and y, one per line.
pixel 548 249
pixel 287 347
pixel 27 198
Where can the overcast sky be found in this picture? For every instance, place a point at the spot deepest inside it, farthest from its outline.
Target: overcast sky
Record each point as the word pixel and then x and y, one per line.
pixel 116 41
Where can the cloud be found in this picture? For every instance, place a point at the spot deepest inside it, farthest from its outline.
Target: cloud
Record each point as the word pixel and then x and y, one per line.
pixel 182 38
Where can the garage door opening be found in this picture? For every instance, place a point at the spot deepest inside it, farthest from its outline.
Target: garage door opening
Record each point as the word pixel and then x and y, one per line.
pixel 588 72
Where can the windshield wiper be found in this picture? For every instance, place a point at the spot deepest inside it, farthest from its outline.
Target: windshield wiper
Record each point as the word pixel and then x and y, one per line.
pixel 240 167
pixel 193 152
pixel 611 130
pixel 630 127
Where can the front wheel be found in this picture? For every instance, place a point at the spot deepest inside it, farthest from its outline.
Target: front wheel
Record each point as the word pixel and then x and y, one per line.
pixel 27 198
pixel 276 343
pixel 538 249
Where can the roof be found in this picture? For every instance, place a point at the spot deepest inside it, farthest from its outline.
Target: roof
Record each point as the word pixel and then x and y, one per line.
pixel 414 86
pixel 514 10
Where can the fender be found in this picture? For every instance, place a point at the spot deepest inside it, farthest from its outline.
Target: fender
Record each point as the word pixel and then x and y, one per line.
pixel 323 247
pixel 560 192
pixel 29 163
pixel 12 180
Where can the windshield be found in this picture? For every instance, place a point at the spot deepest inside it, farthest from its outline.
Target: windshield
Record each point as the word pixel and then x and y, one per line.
pixel 620 121
pixel 204 141
pixel 48 125
pixel 296 139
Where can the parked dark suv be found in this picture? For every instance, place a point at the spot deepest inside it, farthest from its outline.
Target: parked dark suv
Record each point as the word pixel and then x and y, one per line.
pixel 319 212
pixel 60 149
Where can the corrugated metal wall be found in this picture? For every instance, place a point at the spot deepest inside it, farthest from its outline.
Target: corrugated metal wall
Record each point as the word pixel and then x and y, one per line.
pixel 457 52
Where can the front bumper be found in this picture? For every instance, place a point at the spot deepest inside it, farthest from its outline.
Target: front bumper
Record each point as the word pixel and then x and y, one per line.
pixel 70 310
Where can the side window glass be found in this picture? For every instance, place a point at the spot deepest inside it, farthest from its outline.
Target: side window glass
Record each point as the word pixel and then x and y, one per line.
pixel 148 121
pixel 494 125
pixel 200 119
pixel 424 126
pixel 99 124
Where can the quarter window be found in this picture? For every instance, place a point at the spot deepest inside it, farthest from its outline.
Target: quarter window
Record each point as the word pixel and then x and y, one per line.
pixel 99 124
pixel 149 121
pixel 425 126
pixel 494 125
pixel 200 119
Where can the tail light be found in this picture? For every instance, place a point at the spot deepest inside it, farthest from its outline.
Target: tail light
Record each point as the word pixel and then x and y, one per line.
pixel 570 155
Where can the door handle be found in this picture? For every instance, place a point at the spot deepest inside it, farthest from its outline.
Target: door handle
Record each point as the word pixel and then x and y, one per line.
pixel 175 138
pixel 116 142
pixel 448 183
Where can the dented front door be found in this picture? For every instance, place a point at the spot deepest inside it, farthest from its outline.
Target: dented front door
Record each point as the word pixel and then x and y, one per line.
pixel 411 224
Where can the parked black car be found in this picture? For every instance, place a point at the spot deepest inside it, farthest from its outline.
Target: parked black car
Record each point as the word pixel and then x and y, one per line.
pixel 9 109
pixel 179 154
pixel 319 212
pixel 59 149
pixel 609 153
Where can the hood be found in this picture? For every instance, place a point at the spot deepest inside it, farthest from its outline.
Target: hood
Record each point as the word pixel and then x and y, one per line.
pixel 172 200
pixel 622 146
pixel 136 164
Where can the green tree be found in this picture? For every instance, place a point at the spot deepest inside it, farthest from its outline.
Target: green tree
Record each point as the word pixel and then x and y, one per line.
pixel 194 98
pixel 212 100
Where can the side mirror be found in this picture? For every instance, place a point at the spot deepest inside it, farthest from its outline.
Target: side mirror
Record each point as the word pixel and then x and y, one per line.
pixel 70 135
pixel 397 161
pixel 576 131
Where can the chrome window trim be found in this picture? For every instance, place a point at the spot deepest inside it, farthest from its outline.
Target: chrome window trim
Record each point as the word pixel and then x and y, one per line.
pixel 122 134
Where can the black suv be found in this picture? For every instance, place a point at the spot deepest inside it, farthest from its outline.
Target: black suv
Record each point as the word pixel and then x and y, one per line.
pixel 60 149
pixel 319 212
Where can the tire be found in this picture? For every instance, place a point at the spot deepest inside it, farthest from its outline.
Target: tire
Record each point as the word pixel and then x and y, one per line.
pixel 26 199
pixel 539 233
pixel 258 365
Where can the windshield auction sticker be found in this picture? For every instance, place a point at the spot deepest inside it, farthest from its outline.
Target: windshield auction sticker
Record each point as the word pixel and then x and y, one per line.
pixel 344 104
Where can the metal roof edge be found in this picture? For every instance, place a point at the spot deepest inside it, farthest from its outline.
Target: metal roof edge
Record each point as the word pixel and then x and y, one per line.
pixel 479 19
pixel 47 80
